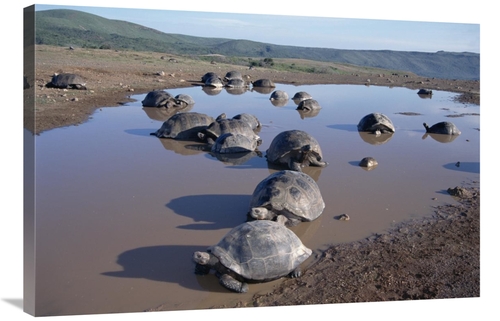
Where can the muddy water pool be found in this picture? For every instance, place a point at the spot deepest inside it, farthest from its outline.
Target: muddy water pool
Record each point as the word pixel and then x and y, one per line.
pixel 119 212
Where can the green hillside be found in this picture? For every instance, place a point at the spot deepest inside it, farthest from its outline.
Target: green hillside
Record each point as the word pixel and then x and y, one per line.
pixel 79 29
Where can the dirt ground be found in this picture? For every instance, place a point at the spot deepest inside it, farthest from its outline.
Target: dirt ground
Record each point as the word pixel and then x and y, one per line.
pixel 433 258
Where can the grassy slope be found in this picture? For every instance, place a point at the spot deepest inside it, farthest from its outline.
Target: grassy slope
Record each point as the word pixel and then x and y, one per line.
pixel 75 28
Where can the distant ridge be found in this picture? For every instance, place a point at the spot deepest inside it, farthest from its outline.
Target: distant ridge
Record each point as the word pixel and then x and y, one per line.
pixel 63 27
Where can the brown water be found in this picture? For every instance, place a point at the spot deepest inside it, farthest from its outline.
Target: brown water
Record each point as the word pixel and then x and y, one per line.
pixel 119 213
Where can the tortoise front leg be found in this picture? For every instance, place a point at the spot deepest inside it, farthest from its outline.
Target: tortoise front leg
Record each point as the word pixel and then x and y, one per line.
pixel 232 284
pixel 315 159
pixel 294 164
pixel 295 273
pixel 201 269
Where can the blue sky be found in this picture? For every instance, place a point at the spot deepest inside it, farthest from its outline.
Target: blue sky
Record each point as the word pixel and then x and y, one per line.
pixel 296 30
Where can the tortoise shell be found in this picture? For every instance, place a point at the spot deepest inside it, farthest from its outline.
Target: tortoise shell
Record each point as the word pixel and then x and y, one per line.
pixel 376 122
pixel 156 98
pixel 293 194
pixel 184 126
pixel 286 142
pixel 261 250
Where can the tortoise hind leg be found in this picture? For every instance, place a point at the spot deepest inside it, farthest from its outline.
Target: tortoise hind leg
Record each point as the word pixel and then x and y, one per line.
pixel 232 284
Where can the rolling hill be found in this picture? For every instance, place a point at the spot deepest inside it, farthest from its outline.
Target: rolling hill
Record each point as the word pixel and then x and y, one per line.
pixel 75 28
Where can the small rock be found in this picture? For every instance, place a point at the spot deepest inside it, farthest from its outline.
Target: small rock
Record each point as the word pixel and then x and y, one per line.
pixel 344 217
pixel 368 162
pixel 459 192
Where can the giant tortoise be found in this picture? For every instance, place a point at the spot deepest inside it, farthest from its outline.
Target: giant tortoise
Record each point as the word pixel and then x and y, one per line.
pixel 222 125
pixel 181 101
pixel 263 83
pixel 300 96
pixel 250 119
pixel 295 149
pixel 234 74
pixel 253 252
pixel 444 128
pixel 294 195
pixel 214 81
pixel 208 75
pixel 67 80
pixel 184 126
pixel 279 95
pixel 157 98
pixel 229 143
pixel 309 105
pixel 376 123
pixel 236 83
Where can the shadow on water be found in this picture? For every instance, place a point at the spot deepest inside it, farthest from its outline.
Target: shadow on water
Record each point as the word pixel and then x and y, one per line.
pixel 443 191
pixel 354 163
pixel 346 127
pixel 155 263
pixel 210 283
pixel 469 167
pixel 140 131
pixel 212 211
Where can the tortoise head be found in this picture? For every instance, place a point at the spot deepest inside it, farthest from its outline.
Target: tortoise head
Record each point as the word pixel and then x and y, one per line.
pixel 426 126
pixel 260 213
pixel 202 258
pixel 221 116
pixel 306 148
pixel 172 102
pixel 308 152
